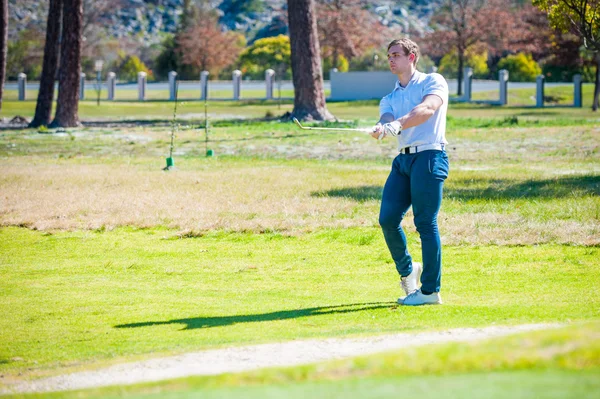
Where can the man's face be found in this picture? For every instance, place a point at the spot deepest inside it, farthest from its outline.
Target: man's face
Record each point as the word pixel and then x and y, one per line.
pixel 398 60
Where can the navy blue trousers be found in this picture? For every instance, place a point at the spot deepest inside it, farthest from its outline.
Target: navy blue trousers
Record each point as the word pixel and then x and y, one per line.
pixel 417 180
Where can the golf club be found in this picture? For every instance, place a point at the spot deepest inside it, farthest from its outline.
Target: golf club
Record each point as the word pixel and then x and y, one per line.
pixel 362 130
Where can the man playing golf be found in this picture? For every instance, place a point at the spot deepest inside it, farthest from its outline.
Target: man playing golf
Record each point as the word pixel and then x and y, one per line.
pixel 415 113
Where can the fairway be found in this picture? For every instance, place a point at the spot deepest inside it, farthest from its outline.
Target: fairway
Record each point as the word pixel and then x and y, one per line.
pixel 105 258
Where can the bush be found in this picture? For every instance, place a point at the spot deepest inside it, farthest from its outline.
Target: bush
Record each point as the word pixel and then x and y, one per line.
pixel 270 52
pixel 25 55
pixel 128 67
pixel 476 60
pixel 341 65
pixel 374 60
pixel 521 67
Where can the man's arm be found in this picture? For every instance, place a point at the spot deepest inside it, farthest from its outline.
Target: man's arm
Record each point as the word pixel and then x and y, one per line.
pixel 416 116
pixel 421 112
pixel 386 118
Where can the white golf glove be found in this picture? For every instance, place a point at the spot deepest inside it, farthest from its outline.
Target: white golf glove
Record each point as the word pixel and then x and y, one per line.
pixel 392 129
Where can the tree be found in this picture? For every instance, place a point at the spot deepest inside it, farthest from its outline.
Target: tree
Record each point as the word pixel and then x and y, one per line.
pixel 461 24
pixel 43 108
pixel 583 17
pixel 206 46
pixel 3 44
pixel 70 65
pixel 96 17
pixel 342 30
pixel 309 97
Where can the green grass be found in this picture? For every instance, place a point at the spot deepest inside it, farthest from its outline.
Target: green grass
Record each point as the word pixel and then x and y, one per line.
pixel 561 363
pixel 105 258
pixel 106 296
pixel 190 108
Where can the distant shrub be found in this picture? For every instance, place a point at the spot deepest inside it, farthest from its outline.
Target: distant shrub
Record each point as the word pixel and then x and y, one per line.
pixel 521 67
pixel 270 52
pixel 474 59
pixel 342 65
pixel 129 66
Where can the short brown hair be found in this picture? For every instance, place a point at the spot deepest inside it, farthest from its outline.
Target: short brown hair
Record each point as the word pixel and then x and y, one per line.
pixel 408 46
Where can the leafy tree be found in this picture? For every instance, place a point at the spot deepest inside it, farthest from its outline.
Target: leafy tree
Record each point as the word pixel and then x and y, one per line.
pixel 567 58
pixel 583 17
pixel 270 52
pixel 342 30
pixel 521 67
pixel 43 108
pixel 205 46
pixel 461 24
pixel 309 97
pixel 97 16
pixel 474 58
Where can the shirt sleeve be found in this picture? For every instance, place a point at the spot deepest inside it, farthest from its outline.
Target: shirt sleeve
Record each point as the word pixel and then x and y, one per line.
pixel 385 107
pixel 436 84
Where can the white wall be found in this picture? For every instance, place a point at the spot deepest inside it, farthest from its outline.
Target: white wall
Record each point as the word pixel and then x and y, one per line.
pixel 361 85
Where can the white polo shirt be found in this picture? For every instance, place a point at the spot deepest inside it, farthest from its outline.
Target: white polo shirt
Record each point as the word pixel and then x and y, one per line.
pixel 403 99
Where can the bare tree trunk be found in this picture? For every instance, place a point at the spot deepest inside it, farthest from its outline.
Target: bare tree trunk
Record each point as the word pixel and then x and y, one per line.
pixel 43 109
pixel 596 84
pixel 70 65
pixel 309 97
pixel 3 44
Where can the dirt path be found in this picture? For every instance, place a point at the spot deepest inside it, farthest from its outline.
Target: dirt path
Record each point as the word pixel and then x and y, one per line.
pixel 237 359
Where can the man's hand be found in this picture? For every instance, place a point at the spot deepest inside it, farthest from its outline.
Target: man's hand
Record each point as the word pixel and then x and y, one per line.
pixel 378 132
pixel 393 128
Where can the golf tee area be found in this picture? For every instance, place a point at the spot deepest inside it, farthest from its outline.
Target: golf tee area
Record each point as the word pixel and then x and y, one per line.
pixel 107 260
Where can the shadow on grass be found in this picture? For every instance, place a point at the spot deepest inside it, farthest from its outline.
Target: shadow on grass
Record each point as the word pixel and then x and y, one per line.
pixel 220 321
pixel 571 186
pixel 360 194
pixel 484 188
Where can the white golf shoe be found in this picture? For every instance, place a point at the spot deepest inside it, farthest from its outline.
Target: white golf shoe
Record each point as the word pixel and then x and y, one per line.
pixel 418 298
pixel 410 283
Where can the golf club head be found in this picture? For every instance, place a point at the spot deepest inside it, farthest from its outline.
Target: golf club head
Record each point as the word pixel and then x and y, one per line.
pixel 297 122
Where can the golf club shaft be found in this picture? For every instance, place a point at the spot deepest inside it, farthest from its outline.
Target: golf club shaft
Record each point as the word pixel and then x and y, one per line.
pixel 362 130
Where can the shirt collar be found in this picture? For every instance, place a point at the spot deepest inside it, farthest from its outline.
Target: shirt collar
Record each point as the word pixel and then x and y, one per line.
pixel 413 78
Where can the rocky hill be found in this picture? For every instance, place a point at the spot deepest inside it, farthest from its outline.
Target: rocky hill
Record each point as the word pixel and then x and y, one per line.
pixel 148 19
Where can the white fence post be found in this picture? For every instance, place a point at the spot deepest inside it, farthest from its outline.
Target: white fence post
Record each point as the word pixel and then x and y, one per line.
pixel 141 86
pixel 578 99
pixel 172 85
pixel 204 85
pixel 22 78
pixel 237 84
pixel 269 74
pixel 503 78
pixel 111 82
pixel 539 92
pixel 468 83
pixel 82 86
